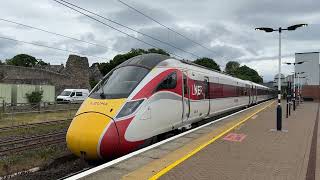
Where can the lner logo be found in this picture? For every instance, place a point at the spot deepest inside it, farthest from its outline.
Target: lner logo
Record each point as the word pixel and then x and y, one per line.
pixel 196 90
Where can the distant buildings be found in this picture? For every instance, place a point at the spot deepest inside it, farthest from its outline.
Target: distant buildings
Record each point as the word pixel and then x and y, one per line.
pixel 311 67
pixel 309 75
pixel 310 80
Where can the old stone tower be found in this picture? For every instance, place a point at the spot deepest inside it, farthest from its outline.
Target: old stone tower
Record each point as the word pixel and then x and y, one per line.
pixel 74 75
pixel 78 70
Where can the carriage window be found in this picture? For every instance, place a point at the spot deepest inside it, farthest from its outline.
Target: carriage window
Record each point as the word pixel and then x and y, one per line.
pixel 169 83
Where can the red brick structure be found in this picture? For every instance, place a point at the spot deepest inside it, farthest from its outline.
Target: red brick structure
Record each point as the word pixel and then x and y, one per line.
pixel 311 92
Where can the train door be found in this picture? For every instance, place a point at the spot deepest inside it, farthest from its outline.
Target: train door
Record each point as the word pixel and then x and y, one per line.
pixel 185 98
pixel 256 94
pixel 207 94
pixel 252 95
pixel 248 93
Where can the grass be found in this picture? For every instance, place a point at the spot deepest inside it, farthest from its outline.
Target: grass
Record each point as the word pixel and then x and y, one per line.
pixel 38 157
pixel 19 119
pixel 30 159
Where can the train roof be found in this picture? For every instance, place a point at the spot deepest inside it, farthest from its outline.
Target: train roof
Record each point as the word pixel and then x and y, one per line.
pixel 146 60
pixel 223 73
pixel 152 59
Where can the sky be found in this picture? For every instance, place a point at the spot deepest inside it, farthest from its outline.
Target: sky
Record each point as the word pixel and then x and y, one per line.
pixel 226 28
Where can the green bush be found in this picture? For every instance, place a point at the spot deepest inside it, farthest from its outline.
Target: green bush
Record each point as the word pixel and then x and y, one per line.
pixel 34 97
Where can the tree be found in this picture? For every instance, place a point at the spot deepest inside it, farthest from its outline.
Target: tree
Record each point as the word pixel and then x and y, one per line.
pixel 42 63
pixel 209 63
pixel 246 73
pixel 232 67
pixel 105 68
pixel 92 83
pixel 1 63
pixel 158 51
pixel 22 60
pixel 242 72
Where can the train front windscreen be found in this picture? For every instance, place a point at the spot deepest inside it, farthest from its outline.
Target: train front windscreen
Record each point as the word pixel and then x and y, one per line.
pixel 119 83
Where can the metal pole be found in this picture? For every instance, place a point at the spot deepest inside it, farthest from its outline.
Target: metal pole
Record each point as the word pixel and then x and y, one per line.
pixel 3 106
pixel 287 112
pixel 290 97
pixel 298 91
pixel 279 110
pixel 294 89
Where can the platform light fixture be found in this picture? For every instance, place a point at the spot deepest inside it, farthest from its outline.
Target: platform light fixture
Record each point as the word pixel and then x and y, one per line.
pixel 299 85
pixel 294 77
pixel 280 29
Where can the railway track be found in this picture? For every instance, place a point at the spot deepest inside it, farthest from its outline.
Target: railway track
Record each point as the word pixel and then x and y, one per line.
pixel 32 142
pixel 25 126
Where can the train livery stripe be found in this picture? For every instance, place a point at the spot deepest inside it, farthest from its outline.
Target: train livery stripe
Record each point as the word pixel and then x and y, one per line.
pixel 149 88
pixel 198 89
pixel 114 143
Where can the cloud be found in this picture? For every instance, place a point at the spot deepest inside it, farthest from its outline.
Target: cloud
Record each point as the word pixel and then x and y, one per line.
pixel 225 27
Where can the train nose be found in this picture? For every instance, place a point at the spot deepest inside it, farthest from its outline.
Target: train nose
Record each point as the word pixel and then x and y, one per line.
pixel 85 133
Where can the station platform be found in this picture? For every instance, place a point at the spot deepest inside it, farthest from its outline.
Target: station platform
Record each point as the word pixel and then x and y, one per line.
pixel 242 146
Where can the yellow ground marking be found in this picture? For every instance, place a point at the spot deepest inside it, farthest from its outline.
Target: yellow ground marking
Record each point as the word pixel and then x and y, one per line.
pixel 168 168
pixel 169 161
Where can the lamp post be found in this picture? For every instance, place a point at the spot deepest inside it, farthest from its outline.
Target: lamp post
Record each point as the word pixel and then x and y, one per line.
pixel 294 87
pixel 300 87
pixel 299 93
pixel 280 29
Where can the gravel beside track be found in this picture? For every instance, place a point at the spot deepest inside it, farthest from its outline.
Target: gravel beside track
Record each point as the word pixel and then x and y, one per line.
pixel 24 126
pixel 25 143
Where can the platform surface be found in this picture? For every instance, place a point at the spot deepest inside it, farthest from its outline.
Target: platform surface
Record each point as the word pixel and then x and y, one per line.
pixel 244 146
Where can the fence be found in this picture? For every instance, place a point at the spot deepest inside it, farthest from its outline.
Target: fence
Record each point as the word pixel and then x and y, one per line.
pixel 23 113
pixel 38 107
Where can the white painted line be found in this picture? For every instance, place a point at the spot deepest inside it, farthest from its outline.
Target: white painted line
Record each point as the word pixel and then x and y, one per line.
pixel 110 163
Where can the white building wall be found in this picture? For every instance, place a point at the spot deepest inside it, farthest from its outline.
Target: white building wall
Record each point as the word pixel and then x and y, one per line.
pixel 311 67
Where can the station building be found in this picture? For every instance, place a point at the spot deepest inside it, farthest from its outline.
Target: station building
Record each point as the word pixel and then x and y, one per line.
pixel 310 79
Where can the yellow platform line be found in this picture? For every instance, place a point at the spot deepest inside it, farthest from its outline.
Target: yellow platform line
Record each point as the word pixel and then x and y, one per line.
pixel 179 161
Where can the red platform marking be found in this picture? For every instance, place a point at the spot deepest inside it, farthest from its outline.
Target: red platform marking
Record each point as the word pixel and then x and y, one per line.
pixel 234 137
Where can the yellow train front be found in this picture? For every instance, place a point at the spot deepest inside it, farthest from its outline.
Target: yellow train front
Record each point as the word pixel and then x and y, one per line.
pixel 98 128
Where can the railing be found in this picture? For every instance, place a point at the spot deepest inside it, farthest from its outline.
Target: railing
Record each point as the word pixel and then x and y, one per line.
pixel 37 107
pixel 21 113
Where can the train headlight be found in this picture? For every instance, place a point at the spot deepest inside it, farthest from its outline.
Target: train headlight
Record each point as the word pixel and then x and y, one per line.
pixel 129 108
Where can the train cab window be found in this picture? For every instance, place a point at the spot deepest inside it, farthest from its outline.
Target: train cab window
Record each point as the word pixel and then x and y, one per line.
pixel 170 82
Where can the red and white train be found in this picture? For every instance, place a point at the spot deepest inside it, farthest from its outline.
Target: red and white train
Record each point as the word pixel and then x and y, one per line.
pixel 149 95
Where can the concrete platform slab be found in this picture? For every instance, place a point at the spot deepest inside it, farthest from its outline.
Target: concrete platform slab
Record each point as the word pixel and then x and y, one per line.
pixel 151 162
pixel 263 154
